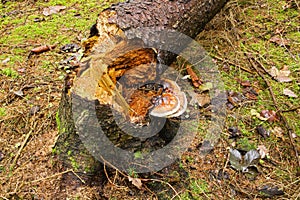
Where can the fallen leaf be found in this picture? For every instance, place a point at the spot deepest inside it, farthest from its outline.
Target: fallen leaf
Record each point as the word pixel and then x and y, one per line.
pixel 262 131
pixel 241 163
pixel 271 191
pixel 234 132
pixel 280 41
pixel 250 93
pixel 194 77
pixel 43 48
pixel 246 83
pixel 289 93
pixel 274 71
pixel 262 150
pixel 283 79
pixel 269 114
pixel 284 71
pixel 136 182
pixel 53 10
pixel 34 110
pixel 19 93
pixel 254 112
pixel 235 98
pixel 203 99
pixel 281 75
pixel 278 132
pixel 251 158
pixel 5 61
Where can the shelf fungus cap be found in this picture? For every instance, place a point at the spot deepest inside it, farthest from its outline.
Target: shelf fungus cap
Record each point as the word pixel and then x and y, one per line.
pixel 169 104
pixel 172 103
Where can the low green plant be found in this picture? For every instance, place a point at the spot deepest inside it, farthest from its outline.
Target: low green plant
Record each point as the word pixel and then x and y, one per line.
pixel 2 112
pixel 9 72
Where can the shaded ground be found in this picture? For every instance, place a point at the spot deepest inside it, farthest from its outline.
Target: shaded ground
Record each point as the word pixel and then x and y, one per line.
pixel 244 38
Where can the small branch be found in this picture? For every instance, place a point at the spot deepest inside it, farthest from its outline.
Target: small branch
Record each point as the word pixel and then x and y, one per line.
pixel 20 150
pixel 58 174
pixel 290 130
pixel 233 64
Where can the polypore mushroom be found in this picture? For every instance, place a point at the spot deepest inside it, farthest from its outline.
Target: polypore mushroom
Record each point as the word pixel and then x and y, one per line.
pixel 171 103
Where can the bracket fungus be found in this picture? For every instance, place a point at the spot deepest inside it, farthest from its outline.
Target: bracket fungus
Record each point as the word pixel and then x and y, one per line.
pixel 171 103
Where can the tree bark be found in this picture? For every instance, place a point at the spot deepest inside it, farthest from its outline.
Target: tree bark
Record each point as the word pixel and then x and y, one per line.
pixel 116 33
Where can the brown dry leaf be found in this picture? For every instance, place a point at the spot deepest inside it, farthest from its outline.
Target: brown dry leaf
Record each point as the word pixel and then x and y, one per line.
pixel 43 48
pixel 283 79
pixel 262 150
pixel 200 99
pixel 289 93
pixel 274 71
pixel 195 79
pixel 281 75
pixel 256 114
pixel 270 115
pixel 235 98
pixel 280 41
pixel 136 182
pixel 278 132
pixel 53 10
pixel 246 83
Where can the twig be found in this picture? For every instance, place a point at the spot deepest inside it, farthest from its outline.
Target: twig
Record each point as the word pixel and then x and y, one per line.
pixel 142 179
pixel 290 130
pixel 58 174
pixel 291 109
pixel 49 177
pixel 157 180
pixel 20 149
pixel 78 176
pixel 233 64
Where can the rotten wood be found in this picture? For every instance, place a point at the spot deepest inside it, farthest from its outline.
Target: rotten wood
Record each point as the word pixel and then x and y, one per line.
pixel 116 53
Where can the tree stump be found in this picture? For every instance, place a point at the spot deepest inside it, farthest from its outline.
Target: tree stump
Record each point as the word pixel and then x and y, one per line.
pixel 124 81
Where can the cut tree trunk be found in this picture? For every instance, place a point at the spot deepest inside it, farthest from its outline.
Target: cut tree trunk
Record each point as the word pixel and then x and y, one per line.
pixel 112 54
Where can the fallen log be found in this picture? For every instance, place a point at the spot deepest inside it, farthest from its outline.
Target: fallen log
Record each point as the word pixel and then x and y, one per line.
pixel 121 87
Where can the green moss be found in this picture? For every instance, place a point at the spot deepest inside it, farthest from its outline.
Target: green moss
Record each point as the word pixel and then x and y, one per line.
pixel 198 187
pixel 245 144
pixel 74 163
pixel 2 112
pixel 185 196
pixel 9 72
pixel 138 154
pixel 57 119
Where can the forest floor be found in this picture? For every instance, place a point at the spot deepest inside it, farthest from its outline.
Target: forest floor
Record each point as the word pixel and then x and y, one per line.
pixel 256 45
